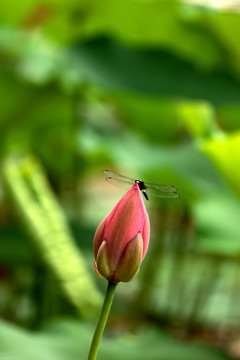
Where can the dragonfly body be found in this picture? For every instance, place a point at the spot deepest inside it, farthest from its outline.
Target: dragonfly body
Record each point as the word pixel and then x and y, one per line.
pixel 142 187
pixel 157 190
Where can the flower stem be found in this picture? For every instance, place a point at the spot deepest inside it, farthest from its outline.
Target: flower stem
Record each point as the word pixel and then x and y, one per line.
pixel 102 321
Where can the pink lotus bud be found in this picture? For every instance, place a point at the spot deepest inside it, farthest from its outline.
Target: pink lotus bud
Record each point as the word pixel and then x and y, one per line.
pixel 121 240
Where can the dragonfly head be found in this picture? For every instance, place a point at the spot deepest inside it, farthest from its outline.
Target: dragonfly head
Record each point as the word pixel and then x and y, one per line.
pixel 142 187
pixel 141 184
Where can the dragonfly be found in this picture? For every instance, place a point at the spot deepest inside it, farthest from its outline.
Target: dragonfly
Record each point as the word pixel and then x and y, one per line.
pixel 157 190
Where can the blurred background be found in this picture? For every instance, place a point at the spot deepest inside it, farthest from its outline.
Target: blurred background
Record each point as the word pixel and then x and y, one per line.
pixel 151 90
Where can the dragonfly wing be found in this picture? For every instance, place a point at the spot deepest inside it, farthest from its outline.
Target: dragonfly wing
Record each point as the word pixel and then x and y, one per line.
pixel 160 187
pixel 164 195
pixel 157 190
pixel 124 184
pixel 113 175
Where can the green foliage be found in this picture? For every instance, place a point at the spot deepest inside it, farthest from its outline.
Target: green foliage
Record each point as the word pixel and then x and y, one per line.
pixel 224 151
pixel 68 339
pixel 46 223
pixel 218 237
pixel 199 118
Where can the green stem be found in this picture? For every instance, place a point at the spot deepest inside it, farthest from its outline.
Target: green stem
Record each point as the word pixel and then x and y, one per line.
pixel 102 321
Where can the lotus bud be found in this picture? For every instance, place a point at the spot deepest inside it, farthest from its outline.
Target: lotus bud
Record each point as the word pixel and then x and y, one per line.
pixel 121 239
